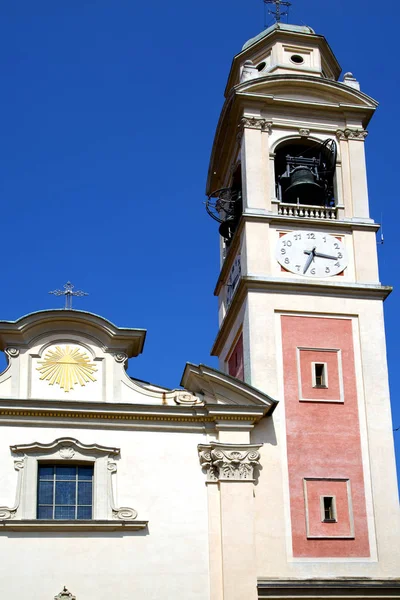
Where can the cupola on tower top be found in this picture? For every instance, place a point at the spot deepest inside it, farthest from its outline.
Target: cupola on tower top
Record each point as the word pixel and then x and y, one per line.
pixel 285 84
pixel 284 49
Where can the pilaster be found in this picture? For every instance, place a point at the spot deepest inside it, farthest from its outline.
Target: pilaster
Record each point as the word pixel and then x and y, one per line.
pixel 255 163
pixel 231 468
pixel 355 184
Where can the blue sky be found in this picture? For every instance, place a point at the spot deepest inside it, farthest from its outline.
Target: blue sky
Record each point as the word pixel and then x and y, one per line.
pixel 108 112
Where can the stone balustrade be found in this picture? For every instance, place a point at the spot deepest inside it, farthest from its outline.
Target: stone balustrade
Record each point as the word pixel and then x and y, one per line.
pixel 308 212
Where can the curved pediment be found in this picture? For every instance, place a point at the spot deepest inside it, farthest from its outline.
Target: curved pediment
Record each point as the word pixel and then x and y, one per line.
pixel 303 89
pixel 29 328
pixel 72 358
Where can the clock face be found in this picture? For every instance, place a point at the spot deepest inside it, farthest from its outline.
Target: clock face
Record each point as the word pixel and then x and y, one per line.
pixel 311 254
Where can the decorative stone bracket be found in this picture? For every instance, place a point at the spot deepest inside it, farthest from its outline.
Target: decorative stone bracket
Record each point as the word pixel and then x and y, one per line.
pixel 9 512
pixel 229 462
pixel 122 512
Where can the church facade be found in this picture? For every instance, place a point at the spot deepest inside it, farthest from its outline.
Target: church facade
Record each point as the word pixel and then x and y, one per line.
pixel 273 476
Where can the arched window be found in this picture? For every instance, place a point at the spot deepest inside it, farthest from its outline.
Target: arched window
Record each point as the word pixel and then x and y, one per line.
pixel 304 172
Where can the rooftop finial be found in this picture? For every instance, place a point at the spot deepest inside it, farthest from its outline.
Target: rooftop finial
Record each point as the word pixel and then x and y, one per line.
pixel 68 293
pixel 278 13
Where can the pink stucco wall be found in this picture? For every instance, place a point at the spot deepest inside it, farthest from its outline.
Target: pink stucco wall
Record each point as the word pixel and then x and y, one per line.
pixel 323 439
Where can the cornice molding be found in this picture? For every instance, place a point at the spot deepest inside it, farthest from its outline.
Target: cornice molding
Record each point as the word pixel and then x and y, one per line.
pixel 226 391
pixel 293 286
pixel 229 462
pixel 338 588
pixel 66 447
pixel 84 414
pixel 342 225
pixel 123 340
pixel 70 526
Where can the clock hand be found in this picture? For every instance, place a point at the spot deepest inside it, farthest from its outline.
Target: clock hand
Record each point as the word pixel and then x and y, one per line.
pixel 309 259
pixel 320 255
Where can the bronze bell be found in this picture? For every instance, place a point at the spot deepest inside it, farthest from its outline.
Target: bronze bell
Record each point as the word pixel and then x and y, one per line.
pixel 227 228
pixel 303 188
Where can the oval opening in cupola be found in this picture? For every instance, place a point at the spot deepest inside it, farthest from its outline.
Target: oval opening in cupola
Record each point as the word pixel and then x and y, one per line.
pixel 297 59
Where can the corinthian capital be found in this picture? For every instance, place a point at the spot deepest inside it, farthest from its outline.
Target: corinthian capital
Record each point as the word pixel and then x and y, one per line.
pixel 255 123
pixel 352 134
pixel 229 462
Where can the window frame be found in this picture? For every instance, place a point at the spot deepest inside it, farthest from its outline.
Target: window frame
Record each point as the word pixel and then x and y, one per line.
pixel 333 519
pixel 315 384
pixel 106 515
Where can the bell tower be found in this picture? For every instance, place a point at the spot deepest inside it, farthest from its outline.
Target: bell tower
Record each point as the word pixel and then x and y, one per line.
pixel 301 304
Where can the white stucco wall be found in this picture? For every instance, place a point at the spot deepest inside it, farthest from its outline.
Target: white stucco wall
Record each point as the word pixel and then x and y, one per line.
pixel 158 475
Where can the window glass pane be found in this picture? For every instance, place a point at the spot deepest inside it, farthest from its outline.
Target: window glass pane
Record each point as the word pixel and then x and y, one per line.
pixel 64 512
pixel 65 472
pixel 46 472
pixel 45 492
pixel 84 512
pixel 85 492
pixel 85 472
pixel 65 492
pixel 45 512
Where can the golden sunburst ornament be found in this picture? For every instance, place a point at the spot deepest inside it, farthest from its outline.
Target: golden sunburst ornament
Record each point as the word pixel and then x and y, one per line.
pixel 66 367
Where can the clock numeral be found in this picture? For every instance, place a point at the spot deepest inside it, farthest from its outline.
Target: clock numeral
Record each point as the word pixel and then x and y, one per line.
pixel 312 271
pixel 337 264
pixel 287 243
pixel 283 251
pixel 297 236
pixel 327 270
pixel 324 238
pixel 340 255
pixel 298 267
pixel 311 236
pixel 286 261
pixel 336 246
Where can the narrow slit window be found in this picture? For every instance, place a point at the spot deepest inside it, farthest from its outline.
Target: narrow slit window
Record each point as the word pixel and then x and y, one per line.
pixel 328 509
pixel 320 375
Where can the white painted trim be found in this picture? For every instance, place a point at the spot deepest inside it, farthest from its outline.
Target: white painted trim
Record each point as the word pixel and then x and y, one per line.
pixel 340 375
pixel 350 507
pixel 283 440
pixel 364 442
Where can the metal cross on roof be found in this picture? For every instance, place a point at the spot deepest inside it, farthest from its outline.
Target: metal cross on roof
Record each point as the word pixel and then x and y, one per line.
pixel 68 293
pixel 277 13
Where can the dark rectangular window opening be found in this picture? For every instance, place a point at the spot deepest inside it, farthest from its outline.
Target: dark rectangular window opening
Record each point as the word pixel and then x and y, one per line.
pixel 65 492
pixel 320 375
pixel 329 509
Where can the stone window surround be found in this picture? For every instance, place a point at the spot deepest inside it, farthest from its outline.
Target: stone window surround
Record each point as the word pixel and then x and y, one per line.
pixel 338 352
pixel 106 515
pixel 345 480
